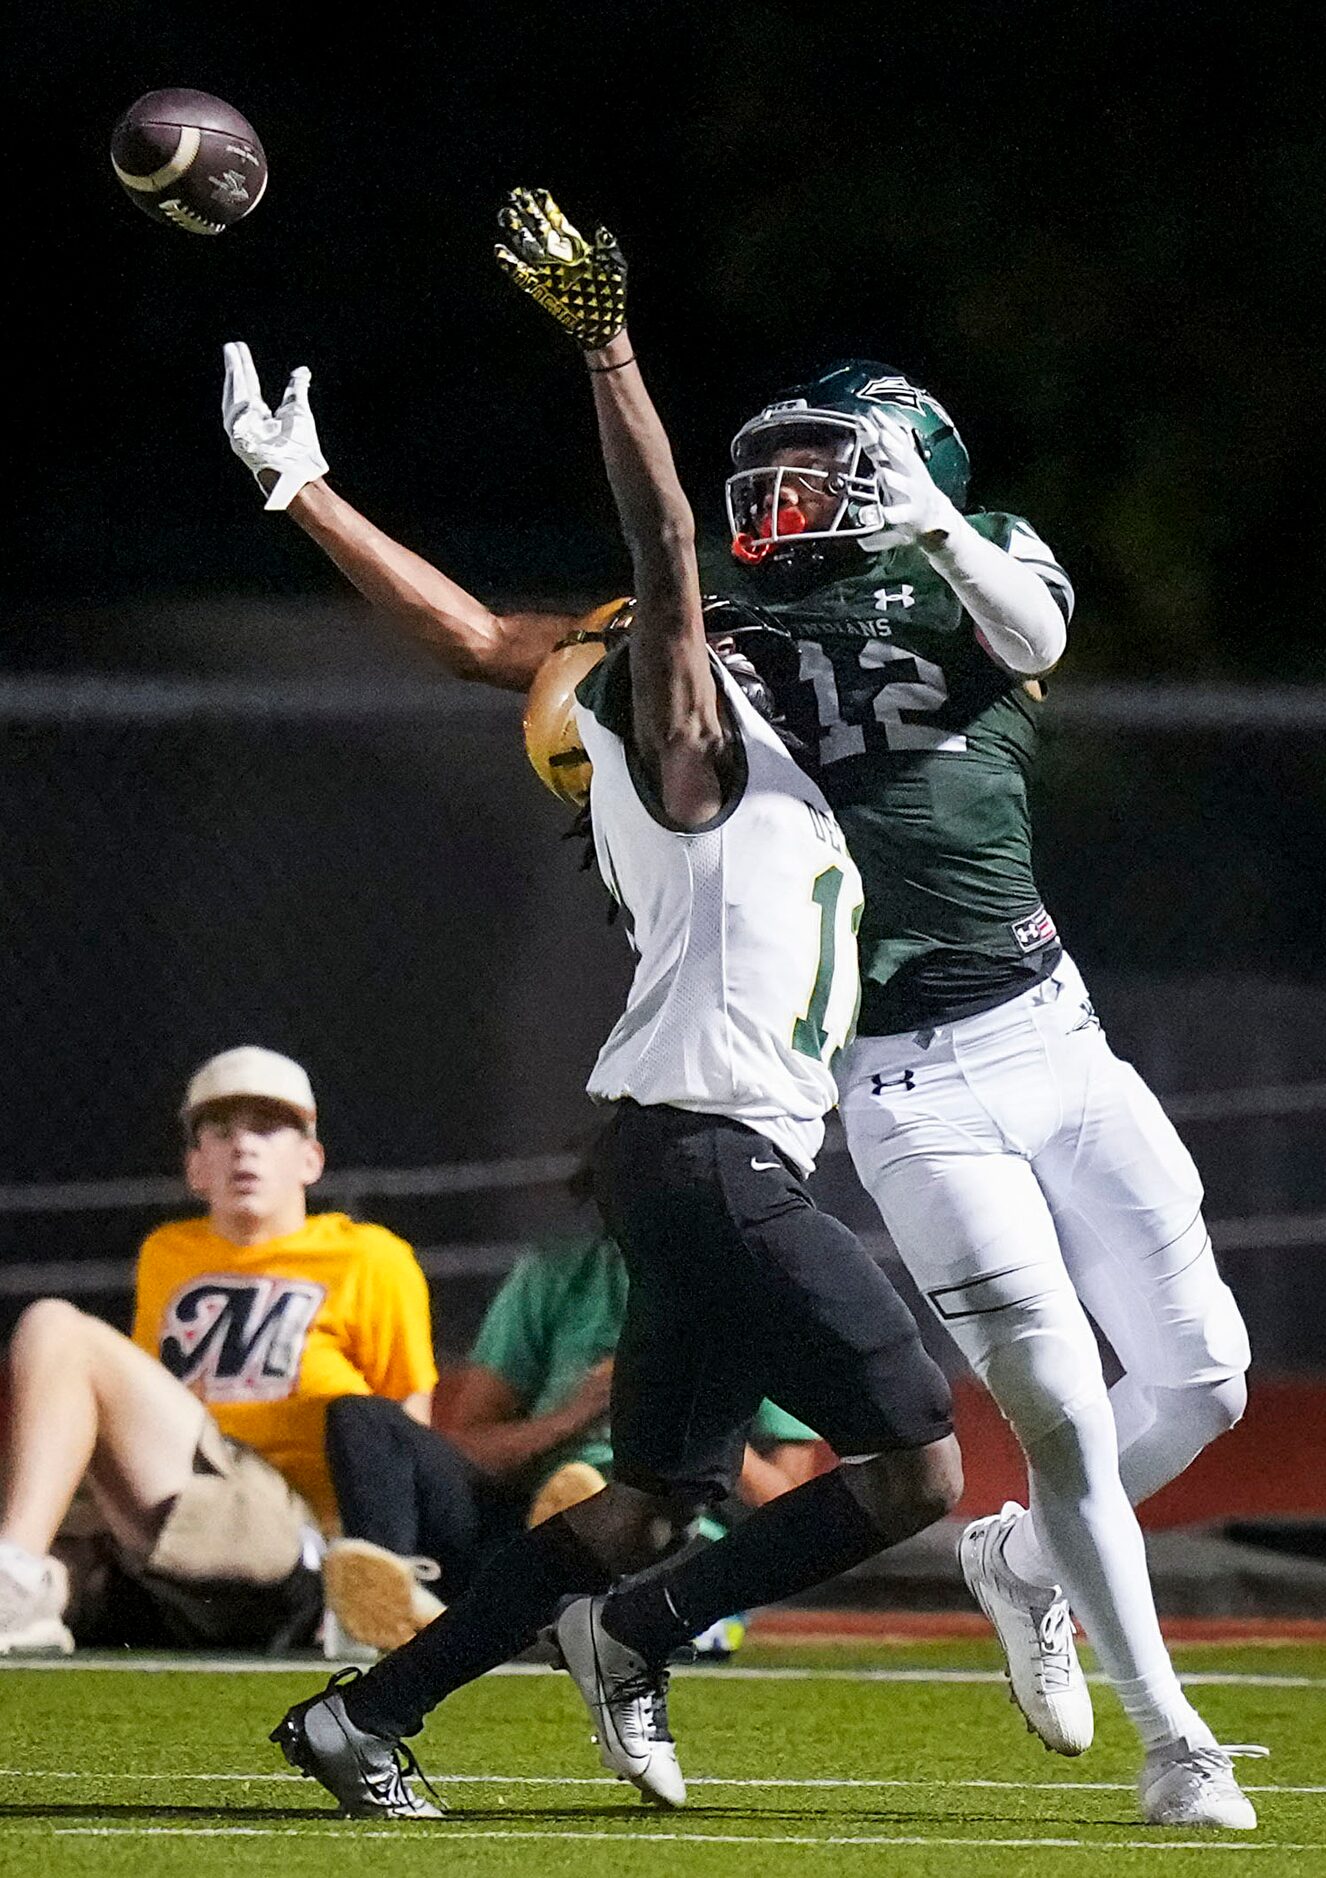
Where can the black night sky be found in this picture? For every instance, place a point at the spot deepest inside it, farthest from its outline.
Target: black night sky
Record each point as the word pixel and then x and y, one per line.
pixel 1092 229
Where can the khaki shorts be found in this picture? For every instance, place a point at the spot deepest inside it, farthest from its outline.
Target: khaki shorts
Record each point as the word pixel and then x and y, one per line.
pixel 228 1569
pixel 236 1520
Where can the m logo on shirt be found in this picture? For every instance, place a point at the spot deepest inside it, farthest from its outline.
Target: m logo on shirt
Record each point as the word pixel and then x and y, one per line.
pixel 239 1339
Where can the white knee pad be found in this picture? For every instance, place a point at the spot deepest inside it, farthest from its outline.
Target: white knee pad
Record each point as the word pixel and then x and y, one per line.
pixel 1202 1336
pixel 1162 1431
pixel 1203 1410
pixel 1042 1373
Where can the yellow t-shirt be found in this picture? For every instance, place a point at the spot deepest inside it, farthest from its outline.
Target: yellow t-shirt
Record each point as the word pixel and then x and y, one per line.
pixel 268 1334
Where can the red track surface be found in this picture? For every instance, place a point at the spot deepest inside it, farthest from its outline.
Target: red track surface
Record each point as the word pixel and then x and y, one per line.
pixel 943 1626
pixel 1269 1466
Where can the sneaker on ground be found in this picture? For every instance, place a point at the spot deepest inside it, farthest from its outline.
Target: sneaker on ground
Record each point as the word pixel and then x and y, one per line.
pixel 1035 1628
pixel 1185 1786
pixel 378 1597
pixel 722 1639
pixel 566 1486
pixel 627 1702
pixel 338 1646
pixel 33 1595
pixel 369 1774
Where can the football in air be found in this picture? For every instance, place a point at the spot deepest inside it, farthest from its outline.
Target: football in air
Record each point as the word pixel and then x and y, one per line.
pixel 188 158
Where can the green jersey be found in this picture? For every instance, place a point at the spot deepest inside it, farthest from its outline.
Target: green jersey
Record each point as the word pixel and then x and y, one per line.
pixel 925 749
pixel 558 1313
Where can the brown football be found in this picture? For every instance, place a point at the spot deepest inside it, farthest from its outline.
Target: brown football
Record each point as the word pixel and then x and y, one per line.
pixel 188 158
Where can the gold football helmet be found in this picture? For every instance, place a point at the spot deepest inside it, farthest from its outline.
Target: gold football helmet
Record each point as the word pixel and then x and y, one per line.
pixel 552 740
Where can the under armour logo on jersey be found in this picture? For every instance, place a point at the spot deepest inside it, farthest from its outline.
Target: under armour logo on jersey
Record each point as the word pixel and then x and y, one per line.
pixel 1036 930
pixel 239 1339
pixel 905 595
pixel 905 1082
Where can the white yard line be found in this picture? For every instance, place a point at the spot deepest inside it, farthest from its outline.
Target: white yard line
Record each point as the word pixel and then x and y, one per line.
pixel 728 1672
pixel 694 1780
pixel 629 1836
pixel 720 1672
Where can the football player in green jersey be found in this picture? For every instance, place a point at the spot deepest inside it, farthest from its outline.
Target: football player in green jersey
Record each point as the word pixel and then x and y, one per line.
pixel 1027 1176
pixel 1029 1179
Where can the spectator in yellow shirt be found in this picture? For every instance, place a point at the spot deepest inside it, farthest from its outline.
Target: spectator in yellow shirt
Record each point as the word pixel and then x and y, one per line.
pixel 200 1441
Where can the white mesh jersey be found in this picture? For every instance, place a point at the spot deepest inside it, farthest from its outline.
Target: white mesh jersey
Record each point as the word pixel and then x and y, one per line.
pixel 745 929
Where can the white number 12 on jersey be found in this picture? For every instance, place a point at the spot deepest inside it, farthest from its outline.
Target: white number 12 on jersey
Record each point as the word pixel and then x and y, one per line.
pixel 918 689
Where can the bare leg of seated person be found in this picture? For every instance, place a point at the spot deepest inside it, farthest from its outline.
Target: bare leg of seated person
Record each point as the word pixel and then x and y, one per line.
pixel 84 1404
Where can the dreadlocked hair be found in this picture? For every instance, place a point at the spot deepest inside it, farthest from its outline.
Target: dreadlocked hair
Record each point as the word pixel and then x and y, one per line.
pixel 582 830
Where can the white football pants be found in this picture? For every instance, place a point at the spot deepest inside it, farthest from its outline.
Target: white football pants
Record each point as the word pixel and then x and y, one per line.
pixel 1024 1172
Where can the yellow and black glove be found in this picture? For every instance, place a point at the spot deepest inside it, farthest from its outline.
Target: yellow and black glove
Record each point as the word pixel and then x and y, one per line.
pixel 581 283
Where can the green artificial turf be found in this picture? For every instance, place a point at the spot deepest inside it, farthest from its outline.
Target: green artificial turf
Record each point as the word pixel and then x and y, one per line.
pixel 139 1772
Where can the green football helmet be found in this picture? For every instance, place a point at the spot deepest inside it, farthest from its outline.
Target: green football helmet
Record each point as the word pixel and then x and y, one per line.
pixel 812 437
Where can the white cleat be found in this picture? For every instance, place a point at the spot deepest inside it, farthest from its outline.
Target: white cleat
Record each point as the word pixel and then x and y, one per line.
pixel 33 1595
pixel 627 1702
pixel 1035 1629
pixel 1183 1786
pixel 376 1596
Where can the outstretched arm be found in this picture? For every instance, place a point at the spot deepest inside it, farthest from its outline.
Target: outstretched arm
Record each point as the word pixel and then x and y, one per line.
pixel 1019 621
pixel 281 448
pixel 677 722
pixel 675 701
pixel 472 641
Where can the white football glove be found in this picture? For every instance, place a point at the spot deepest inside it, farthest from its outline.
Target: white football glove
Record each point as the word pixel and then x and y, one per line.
pixel 913 504
pixel 283 442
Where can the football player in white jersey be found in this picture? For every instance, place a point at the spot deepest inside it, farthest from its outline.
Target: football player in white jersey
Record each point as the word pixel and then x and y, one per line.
pixel 742 902
pixel 1026 1175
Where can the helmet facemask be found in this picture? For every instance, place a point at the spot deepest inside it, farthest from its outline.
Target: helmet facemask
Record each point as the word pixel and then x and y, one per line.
pixel 811 444
pixel 801 476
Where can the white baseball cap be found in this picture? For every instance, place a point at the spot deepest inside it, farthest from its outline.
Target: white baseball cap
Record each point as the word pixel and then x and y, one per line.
pixel 251 1071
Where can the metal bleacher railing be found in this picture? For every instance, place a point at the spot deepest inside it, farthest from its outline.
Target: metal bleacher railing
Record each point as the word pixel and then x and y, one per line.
pixel 354 1188
pixel 349 862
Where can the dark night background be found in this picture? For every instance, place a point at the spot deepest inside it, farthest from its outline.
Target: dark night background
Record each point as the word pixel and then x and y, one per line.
pixel 1093 230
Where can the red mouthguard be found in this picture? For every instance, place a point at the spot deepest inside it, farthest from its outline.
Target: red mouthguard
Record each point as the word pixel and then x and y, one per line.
pixel 754 547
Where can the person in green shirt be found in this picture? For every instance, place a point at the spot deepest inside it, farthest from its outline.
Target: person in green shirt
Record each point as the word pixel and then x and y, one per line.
pixel 523 1434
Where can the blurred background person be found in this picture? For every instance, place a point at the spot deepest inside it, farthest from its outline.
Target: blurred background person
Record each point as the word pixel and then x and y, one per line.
pixel 200 1441
pixel 522 1434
